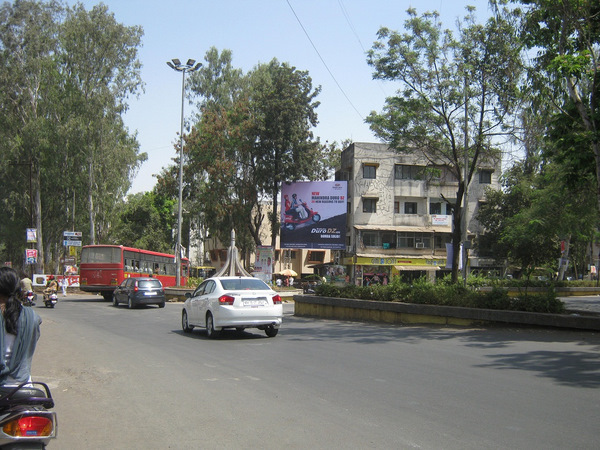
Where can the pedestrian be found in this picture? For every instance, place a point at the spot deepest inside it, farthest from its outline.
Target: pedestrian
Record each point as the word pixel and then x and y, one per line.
pixel 19 331
pixel 291 281
pixel 64 283
pixel 278 282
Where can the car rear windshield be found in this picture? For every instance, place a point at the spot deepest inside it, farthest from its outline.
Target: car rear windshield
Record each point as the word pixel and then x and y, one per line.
pixel 155 284
pixel 244 283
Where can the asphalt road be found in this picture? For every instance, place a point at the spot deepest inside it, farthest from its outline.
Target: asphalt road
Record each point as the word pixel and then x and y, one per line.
pixel 130 379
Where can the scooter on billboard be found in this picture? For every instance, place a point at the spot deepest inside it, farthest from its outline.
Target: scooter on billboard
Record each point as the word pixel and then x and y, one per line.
pixel 299 215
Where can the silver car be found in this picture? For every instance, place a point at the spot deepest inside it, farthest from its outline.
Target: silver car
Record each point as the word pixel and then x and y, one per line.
pixel 232 302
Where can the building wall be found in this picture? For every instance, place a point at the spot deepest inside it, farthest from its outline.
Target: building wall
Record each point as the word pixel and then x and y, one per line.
pixel 403 188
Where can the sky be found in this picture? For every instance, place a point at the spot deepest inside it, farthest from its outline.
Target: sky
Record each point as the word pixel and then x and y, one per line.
pixel 327 38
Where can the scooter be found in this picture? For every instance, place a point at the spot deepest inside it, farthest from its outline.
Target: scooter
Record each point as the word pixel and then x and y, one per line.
pixel 50 299
pixel 302 214
pixel 30 298
pixel 26 421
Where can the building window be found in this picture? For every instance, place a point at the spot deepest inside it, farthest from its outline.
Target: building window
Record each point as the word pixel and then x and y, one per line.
pixel 435 208
pixel 485 177
pixel 369 171
pixel 316 256
pixel 369 205
pixel 406 240
pixel 396 207
pixel 370 239
pixel 404 172
pixel 414 240
pixel 410 208
pixel 388 239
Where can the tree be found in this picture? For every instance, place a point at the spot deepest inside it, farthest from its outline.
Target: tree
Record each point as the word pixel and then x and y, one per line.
pixel 65 76
pixel 101 70
pixel 253 133
pixel 544 199
pixel 455 97
pixel 28 43
pixel 566 35
pixel 283 104
pixel 145 221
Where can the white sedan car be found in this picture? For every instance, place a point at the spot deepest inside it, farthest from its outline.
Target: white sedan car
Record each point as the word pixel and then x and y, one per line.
pixel 232 302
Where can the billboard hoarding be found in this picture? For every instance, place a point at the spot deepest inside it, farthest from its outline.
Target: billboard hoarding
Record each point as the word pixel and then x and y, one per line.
pixel 313 215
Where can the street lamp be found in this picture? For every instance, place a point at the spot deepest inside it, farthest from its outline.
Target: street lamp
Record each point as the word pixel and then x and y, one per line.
pixel 190 66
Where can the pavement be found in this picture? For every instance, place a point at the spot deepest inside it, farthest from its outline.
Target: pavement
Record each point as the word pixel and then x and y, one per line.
pixel 584 305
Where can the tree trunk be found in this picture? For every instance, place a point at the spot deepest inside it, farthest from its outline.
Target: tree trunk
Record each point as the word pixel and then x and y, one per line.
pixel 91 206
pixel 273 216
pixel 38 221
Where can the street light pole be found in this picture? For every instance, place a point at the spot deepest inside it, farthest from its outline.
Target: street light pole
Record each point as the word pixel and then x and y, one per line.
pixel 190 66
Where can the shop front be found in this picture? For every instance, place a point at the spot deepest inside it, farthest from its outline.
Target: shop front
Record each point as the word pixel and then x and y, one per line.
pixel 369 270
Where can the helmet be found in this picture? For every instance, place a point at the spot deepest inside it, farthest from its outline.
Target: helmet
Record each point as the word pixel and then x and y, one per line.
pixel 51 277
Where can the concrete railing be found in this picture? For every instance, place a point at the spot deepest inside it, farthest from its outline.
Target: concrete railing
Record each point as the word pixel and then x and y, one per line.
pixel 407 313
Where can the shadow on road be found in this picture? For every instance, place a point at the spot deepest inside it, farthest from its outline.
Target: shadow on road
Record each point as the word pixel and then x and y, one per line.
pixel 579 369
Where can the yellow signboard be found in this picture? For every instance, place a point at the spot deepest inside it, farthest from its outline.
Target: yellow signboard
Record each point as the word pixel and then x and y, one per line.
pixel 394 261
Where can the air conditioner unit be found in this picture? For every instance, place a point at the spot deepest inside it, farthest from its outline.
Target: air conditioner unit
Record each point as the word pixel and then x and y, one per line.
pixel 420 245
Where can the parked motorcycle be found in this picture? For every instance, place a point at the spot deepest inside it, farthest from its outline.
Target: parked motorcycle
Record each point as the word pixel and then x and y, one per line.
pixel 50 299
pixel 299 215
pixel 30 298
pixel 26 421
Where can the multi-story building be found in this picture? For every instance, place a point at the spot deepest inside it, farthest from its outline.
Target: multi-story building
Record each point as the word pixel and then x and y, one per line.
pixel 399 221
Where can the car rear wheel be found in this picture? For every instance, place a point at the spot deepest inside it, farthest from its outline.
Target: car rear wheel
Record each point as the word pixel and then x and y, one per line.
pixel 161 305
pixel 210 327
pixel 185 325
pixel 271 331
pixel 115 301
pixel 130 303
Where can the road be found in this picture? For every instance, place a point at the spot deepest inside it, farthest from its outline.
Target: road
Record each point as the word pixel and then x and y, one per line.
pixel 130 379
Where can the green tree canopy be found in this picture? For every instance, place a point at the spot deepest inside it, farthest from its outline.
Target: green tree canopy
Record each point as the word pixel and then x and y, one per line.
pixel 455 95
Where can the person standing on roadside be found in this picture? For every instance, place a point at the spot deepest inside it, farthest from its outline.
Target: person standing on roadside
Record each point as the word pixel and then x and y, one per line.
pixel 64 283
pixel 19 331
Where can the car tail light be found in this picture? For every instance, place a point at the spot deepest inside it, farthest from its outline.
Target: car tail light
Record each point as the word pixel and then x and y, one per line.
pixel 226 300
pixel 276 300
pixel 135 287
pixel 29 426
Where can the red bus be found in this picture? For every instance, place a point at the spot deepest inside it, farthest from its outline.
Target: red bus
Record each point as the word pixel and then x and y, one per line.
pixel 104 267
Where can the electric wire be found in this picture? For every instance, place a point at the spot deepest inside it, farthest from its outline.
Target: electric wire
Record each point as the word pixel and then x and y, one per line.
pixel 353 29
pixel 323 61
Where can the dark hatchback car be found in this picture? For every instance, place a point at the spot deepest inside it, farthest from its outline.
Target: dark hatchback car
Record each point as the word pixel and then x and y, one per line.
pixel 140 291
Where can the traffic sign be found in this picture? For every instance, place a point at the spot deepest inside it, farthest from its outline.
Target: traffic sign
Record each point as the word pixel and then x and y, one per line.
pixel 72 234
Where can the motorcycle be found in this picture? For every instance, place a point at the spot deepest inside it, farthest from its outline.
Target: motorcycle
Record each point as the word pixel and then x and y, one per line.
pixel 30 298
pixel 26 421
pixel 50 299
pixel 300 215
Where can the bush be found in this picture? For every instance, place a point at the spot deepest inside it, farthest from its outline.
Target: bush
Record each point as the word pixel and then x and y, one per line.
pixel 423 292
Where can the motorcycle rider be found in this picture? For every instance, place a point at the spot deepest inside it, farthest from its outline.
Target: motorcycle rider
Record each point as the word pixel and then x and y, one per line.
pixel 26 285
pixel 51 286
pixel 298 207
pixel 19 331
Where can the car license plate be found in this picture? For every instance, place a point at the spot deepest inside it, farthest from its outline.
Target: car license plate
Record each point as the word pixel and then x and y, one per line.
pixel 254 302
pixel 150 293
